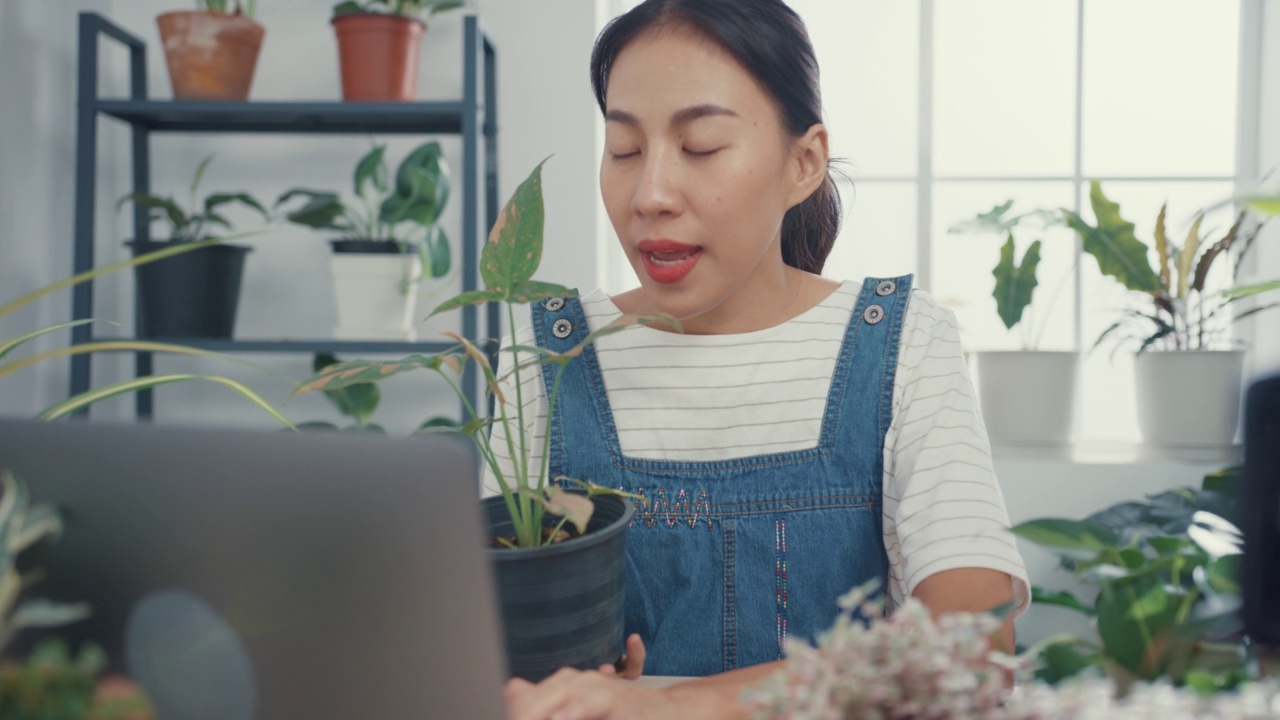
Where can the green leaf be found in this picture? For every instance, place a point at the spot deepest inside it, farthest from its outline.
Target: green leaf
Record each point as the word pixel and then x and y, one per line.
pixel 176 216
pixel 1014 285
pixel 1266 205
pixel 421 190
pixel 993 221
pixel 321 211
pixel 351 372
pixel 1224 573
pixel 11 345
pixel 533 290
pixel 86 399
pixel 215 201
pixel 1113 244
pixel 1244 291
pixel 47 614
pixel 1226 480
pixel 514 250
pixel 357 401
pixel 439 421
pixel 1168 546
pixel 200 169
pixel 1060 661
pixel 443 6
pixel 1069 538
pixel 437 256
pixel 372 170
pixel 349 7
pixel 475 297
pixel 1132 613
pixel 1060 598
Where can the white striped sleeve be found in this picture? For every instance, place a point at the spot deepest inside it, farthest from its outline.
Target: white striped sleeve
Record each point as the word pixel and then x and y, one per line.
pixel 943 508
pixel 506 445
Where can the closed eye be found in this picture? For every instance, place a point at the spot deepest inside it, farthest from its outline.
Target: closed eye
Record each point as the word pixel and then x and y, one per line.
pixel 624 156
pixel 702 153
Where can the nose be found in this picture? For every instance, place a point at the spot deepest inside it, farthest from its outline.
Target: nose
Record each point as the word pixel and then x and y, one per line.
pixel 658 192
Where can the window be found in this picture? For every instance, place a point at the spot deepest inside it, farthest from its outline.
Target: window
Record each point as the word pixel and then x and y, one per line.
pixel 946 108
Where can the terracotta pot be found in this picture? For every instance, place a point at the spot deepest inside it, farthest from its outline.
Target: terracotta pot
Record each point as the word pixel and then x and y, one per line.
pixel 211 56
pixel 378 55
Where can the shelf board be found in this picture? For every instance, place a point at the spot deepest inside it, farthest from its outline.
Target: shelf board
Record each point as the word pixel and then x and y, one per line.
pixel 300 346
pixel 287 117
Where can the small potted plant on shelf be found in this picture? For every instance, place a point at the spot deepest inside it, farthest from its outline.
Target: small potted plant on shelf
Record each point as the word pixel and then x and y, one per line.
pixel 49 682
pixel 378 46
pixel 390 238
pixel 547 532
pixel 1188 370
pixel 194 294
pixel 212 51
pixel 1027 395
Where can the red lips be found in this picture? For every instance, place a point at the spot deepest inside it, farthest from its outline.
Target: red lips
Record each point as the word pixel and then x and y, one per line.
pixel 668 261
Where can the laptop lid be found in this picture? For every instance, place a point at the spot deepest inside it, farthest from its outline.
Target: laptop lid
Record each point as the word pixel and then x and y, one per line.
pixel 241 575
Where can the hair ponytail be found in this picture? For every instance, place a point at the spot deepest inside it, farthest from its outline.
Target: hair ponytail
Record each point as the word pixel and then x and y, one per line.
pixel 809 229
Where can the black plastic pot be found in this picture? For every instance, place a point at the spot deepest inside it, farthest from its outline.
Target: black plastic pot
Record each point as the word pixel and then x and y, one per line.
pixel 380 247
pixel 562 605
pixel 193 294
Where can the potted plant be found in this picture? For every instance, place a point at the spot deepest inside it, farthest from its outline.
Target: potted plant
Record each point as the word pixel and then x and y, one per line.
pixel 552 537
pixel 49 683
pixel 1027 395
pixel 378 44
pixel 390 237
pixel 1167 574
pixel 1180 323
pixel 194 294
pixel 358 403
pixel 212 51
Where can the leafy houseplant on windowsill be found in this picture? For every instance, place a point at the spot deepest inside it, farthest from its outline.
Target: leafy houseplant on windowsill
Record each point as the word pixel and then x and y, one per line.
pixel 1179 323
pixel 374 275
pixel 212 51
pixel 1027 395
pixel 194 294
pixel 378 46
pixel 546 537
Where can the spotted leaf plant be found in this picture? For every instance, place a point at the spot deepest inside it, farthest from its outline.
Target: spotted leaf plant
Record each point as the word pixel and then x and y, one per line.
pixel 508 263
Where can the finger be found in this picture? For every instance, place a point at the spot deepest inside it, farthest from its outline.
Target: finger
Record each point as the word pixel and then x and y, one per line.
pixel 545 698
pixel 635 658
pixel 608 670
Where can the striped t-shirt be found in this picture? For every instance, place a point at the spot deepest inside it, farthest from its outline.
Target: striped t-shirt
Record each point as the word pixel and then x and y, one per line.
pixel 716 397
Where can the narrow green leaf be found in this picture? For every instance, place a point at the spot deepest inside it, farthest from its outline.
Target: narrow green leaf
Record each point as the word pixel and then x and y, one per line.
pixel 349 373
pixel 1244 291
pixel 514 250
pixel 1267 205
pixel 215 201
pixel 11 345
pixel 199 176
pixel 475 297
pixel 90 397
pixel 1188 256
pixel 173 212
pixel 1201 274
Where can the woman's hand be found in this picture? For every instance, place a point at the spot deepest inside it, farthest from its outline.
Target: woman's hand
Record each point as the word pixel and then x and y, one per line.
pixel 631 665
pixel 577 695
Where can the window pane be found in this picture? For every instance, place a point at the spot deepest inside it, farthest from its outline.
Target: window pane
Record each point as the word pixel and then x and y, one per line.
pixel 964 262
pixel 1109 410
pixel 879 235
pixel 1160 87
pixel 1004 86
pixel 869 55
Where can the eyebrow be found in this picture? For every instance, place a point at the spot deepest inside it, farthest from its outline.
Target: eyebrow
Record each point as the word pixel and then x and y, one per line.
pixel 680 117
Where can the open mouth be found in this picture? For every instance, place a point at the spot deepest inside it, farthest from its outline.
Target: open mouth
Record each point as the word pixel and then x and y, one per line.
pixel 666 261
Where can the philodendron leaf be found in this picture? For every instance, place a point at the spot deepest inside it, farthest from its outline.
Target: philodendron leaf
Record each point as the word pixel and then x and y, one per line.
pixel 322 210
pixel 1014 284
pixel 576 508
pixel 372 170
pixel 514 250
pixel 1070 538
pixel 1132 614
pixel 1060 661
pixel 351 372
pixel 1113 244
pixel 436 253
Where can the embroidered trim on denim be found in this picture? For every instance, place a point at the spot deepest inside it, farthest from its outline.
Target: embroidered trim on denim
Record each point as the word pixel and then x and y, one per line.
pixel 780 579
pixel 671 513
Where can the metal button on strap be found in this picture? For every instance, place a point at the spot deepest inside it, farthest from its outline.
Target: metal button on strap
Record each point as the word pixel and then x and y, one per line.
pixel 873 314
pixel 553 304
pixel 888 287
pixel 562 328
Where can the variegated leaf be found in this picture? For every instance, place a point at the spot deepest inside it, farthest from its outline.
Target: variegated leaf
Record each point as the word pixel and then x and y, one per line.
pixel 531 290
pixel 351 372
pixel 576 508
pixel 475 297
pixel 514 250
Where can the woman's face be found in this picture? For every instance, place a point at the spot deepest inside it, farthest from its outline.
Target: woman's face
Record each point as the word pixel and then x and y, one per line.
pixel 697 175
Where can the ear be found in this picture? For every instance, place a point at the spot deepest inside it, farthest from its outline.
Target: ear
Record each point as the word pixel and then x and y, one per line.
pixel 810 158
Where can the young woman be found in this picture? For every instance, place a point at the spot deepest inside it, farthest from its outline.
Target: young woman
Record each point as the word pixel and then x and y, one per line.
pixel 802 435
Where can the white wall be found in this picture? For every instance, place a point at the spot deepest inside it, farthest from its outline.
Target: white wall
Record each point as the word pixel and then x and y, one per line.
pixel 545 108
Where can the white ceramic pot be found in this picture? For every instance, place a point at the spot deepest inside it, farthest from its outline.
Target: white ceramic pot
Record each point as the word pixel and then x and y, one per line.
pixel 1189 399
pixel 1028 397
pixel 376 295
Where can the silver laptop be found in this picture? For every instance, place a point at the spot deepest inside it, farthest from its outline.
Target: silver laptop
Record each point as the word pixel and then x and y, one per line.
pixel 244 576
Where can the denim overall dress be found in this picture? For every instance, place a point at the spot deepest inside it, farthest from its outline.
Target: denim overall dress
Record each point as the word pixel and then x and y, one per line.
pixel 727 558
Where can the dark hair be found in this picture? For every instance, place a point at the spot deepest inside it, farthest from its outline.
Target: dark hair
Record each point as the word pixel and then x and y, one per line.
pixel 771 42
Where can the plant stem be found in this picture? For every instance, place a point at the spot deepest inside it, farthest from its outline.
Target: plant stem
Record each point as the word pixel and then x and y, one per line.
pixel 522 473
pixel 546 441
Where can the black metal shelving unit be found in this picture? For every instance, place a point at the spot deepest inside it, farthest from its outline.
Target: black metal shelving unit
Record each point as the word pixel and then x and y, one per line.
pixel 473 118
